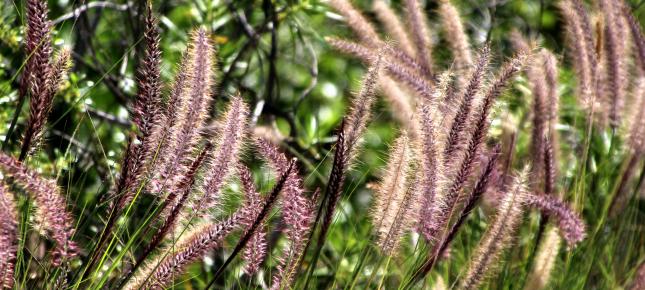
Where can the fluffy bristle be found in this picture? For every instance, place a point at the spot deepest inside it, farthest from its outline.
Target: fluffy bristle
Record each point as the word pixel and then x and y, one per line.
pixel 393 208
pixel 160 272
pixel 298 214
pixel 41 77
pixel 430 168
pixel 51 207
pixel 255 251
pixel 192 93
pixel 226 154
pixel 420 32
pixel 455 34
pixel 476 138
pixel 360 110
pixel 636 139
pixel 581 46
pixel 466 105
pixel 570 224
pixel 357 22
pixel 393 26
pixel 614 54
pixel 398 67
pixel 544 261
pixel 148 102
pixel 498 236
pixel 401 103
pixel 173 205
pixel 8 238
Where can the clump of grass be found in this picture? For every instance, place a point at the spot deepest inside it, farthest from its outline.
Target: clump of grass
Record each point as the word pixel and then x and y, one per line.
pixel 424 214
pixel 42 76
pixel 51 214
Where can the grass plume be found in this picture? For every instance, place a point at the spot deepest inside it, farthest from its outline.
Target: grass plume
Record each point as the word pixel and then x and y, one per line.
pixel 191 98
pixel 225 156
pixel 544 262
pixel 8 238
pixel 42 76
pixel 51 212
pixel 499 234
pixel 455 34
pixel 393 26
pixel 570 224
pixel 420 33
pixel 393 209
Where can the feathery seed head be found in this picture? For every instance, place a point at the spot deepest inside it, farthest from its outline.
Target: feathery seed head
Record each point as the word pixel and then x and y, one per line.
pixel 401 102
pixel 162 271
pixel 393 26
pixel 51 207
pixel 360 110
pixel 148 102
pixel 405 70
pixel 39 79
pixel 193 97
pixel 418 26
pixel 61 67
pixel 357 22
pixel 615 52
pixel 431 167
pixel 463 116
pixel 544 261
pixel 499 234
pixel 255 251
pixel 394 204
pixel 455 34
pixel 229 145
pixel 570 224
pixel 637 127
pixel 580 40
pixel 8 238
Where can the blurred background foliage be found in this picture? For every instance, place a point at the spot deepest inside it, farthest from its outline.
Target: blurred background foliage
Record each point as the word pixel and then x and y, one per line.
pixel 274 54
